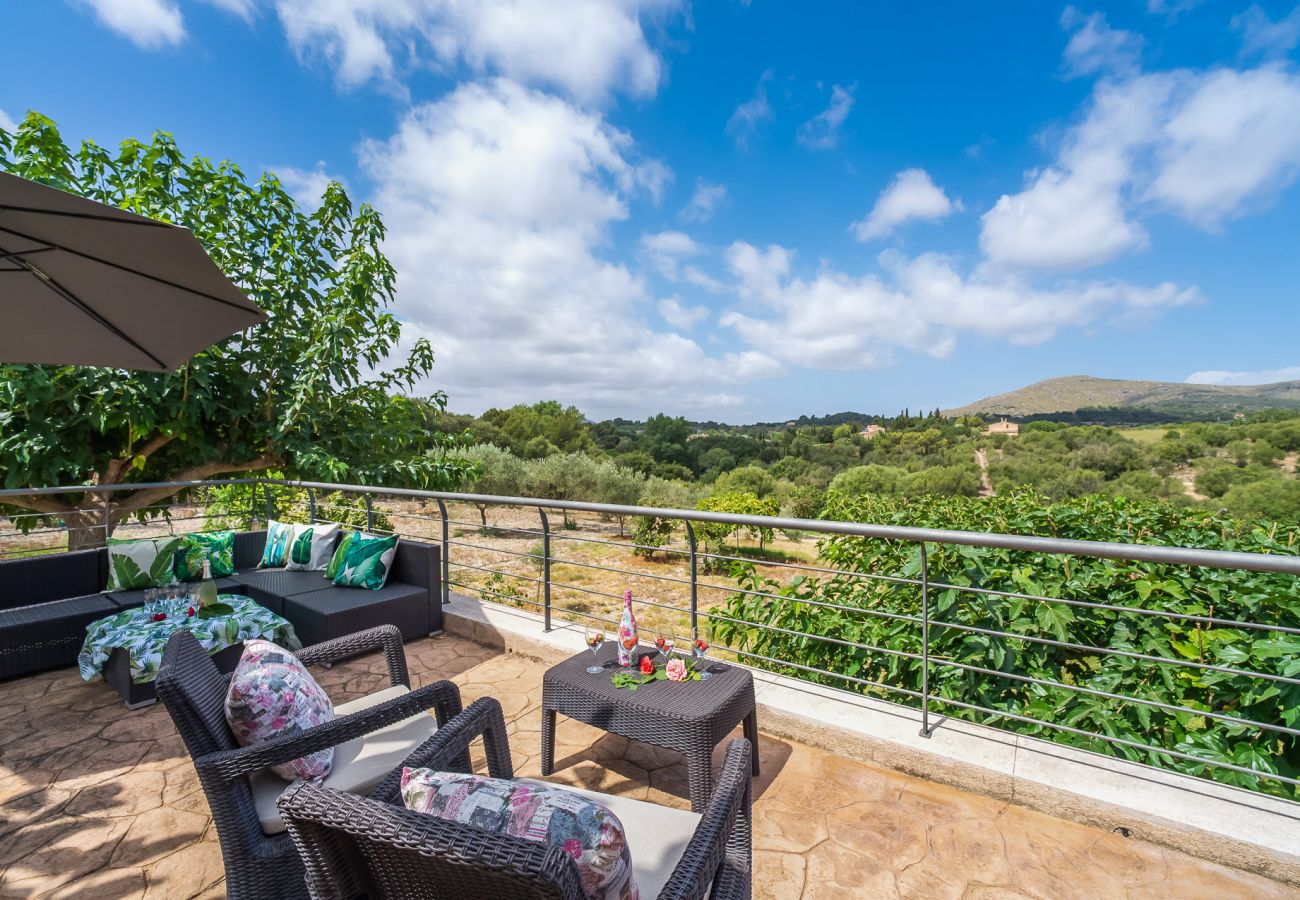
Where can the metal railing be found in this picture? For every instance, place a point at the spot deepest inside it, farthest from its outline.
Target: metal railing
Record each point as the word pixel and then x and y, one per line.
pixel 458 572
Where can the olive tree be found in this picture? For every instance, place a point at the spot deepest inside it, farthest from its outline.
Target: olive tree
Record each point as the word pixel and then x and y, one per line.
pixel 314 391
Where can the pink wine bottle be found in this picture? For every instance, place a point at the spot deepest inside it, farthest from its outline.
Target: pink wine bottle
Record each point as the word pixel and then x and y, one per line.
pixel 627 633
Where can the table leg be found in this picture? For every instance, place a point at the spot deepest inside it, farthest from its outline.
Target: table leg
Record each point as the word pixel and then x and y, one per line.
pixel 548 741
pixel 699 772
pixel 751 735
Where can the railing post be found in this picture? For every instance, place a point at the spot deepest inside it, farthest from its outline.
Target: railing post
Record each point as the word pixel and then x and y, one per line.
pixel 311 506
pixel 446 547
pixel 252 505
pixel 370 514
pixel 695 583
pixel 925 643
pixel 546 570
pixel 270 506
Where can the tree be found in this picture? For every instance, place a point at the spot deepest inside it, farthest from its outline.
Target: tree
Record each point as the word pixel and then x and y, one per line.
pixel 872 479
pixel 1273 498
pixel 665 437
pixel 541 429
pixel 310 392
pixel 751 479
pixel 713 535
pixel 498 472
pixel 620 486
pixel 568 476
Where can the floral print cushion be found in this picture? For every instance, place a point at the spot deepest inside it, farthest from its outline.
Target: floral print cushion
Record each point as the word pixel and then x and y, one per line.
pixel 311 547
pixel 584 829
pixel 272 693
pixel 135 565
pixel 276 553
pixel 362 560
pixel 217 547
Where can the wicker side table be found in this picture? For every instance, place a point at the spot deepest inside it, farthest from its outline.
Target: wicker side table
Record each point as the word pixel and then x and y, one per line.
pixel 691 717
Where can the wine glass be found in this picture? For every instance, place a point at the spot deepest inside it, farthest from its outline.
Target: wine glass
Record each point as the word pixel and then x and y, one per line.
pixel 700 650
pixel 664 643
pixel 595 638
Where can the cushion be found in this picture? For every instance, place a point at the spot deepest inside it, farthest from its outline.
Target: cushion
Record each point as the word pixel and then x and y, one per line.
pixel 360 764
pixel 362 560
pixel 276 553
pixel 217 547
pixel 133 565
pixel 583 828
pixel 656 835
pixel 311 547
pixel 271 694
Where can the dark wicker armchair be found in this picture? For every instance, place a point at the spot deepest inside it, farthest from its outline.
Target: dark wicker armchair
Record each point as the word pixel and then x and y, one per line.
pixel 370 736
pixel 377 849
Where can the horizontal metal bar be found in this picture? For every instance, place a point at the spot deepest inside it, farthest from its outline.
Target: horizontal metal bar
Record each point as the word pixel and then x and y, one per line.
pixel 502 573
pixel 483 590
pixel 561 586
pixel 1206 620
pixel 1138 745
pixel 818 603
pixel 622 544
pixel 1123 698
pixel 518 553
pixel 816 637
pixel 788 565
pixel 628 572
pixel 1111 651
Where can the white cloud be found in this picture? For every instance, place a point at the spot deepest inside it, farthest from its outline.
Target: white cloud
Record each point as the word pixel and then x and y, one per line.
pixel 1267 376
pixel 696 276
pixel 1206 145
pixel 750 115
pixel 666 250
pixel 306 185
pixel 910 196
pixel 498 201
pixel 245 9
pixel 1096 48
pixel 922 305
pixel 704 202
pixel 1171 8
pixel 822 131
pixel 683 318
pixel 586 48
pixel 1232 145
pixel 1260 34
pixel 7 123
pixel 750 364
pixel 150 24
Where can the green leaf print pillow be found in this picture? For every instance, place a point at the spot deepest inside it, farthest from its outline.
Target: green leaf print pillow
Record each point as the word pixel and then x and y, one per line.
pixel 311 547
pixel 362 560
pixel 278 536
pixel 135 565
pixel 217 547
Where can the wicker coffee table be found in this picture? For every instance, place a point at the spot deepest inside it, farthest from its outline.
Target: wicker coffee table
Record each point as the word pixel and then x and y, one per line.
pixel 691 717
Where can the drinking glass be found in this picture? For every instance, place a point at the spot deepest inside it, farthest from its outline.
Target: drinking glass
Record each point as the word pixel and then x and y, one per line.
pixel 700 650
pixel 595 638
pixel 664 643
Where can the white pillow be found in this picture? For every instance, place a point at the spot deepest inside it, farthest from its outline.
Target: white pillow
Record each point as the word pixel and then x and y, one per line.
pixel 310 547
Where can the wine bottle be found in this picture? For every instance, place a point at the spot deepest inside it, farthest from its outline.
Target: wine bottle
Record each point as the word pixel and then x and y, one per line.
pixel 208 587
pixel 627 637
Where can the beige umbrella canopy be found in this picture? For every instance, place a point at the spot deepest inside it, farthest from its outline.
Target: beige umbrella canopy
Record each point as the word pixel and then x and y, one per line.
pixel 86 284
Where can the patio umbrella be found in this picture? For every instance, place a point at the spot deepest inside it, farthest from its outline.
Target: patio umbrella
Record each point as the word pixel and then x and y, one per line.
pixel 86 284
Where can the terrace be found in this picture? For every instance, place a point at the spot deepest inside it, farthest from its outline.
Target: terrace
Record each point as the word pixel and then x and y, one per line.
pixel 868 784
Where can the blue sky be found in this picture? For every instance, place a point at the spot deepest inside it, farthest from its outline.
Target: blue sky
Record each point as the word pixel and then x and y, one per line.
pixel 749 211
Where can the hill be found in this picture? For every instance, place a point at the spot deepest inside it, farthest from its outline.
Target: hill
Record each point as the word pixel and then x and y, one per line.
pixel 1081 392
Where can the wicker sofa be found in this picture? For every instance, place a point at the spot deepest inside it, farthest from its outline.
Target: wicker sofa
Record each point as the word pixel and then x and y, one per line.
pixel 46 602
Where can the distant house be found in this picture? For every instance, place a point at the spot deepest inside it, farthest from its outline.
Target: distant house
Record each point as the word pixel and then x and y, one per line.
pixel 1239 416
pixel 1010 429
pixel 871 431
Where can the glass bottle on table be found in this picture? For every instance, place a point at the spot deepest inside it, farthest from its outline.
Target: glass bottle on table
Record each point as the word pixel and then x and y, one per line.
pixel 627 636
pixel 207 587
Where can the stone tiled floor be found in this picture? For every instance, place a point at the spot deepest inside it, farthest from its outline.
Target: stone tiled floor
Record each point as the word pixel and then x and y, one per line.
pixel 96 801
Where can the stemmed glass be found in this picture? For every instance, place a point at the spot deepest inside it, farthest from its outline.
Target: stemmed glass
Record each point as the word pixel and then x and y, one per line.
pixel 700 650
pixel 595 638
pixel 664 644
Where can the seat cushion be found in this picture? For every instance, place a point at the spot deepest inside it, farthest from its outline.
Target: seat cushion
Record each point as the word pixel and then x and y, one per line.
pixel 656 835
pixel 281 582
pixel 95 605
pixel 360 764
pixel 336 611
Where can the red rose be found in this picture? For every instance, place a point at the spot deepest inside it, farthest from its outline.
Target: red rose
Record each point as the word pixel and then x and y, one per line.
pixel 191 612
pixel 159 617
pixel 647 667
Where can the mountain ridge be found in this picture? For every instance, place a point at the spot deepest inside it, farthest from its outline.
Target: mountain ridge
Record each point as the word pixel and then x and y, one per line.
pixel 1072 393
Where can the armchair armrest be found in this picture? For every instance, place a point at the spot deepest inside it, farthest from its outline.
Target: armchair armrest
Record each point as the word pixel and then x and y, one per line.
pixel 442 697
pixel 448 749
pixel 385 637
pixel 721 850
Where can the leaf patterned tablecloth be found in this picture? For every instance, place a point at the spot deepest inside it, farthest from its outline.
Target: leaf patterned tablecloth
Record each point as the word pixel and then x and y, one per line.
pixel 135 631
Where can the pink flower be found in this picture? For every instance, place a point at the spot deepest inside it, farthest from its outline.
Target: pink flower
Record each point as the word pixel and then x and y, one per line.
pixel 573 847
pixel 676 670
